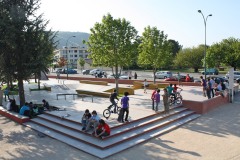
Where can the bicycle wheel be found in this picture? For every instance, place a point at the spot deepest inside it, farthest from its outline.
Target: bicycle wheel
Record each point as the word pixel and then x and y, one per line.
pixel 118 110
pixel 171 101
pixel 178 100
pixel 106 113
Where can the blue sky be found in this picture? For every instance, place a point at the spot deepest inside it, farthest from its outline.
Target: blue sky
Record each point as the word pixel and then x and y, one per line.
pixel 179 19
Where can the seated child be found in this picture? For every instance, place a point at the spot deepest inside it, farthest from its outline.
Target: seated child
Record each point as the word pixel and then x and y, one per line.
pixel 86 116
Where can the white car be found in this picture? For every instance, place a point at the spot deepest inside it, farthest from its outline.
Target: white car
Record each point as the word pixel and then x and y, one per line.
pixel 121 76
pixel 163 74
pixel 236 74
pixel 95 71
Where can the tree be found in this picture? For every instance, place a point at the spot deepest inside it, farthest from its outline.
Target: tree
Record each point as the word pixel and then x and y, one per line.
pixel 175 47
pixel 154 49
pixel 62 62
pixel 81 62
pixel 113 43
pixel 21 30
pixel 227 51
pixel 190 57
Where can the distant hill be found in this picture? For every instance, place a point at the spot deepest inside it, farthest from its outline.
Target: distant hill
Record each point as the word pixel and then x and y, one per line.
pixel 62 38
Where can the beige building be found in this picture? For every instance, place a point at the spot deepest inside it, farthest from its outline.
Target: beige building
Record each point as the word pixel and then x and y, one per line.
pixel 71 54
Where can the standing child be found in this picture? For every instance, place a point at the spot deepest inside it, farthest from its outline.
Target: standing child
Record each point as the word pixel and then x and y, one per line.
pixel 157 99
pixel 125 108
pixel 165 100
pixel 145 85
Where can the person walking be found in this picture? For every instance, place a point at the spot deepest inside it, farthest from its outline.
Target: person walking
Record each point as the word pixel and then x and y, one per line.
pixel 135 75
pixel 6 94
pixel 209 88
pixel 204 85
pixel 152 97
pixel 165 100
pixel 157 99
pixel 212 86
pixel 145 85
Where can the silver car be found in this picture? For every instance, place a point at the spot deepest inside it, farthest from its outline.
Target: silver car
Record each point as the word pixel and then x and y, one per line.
pixel 163 74
pixel 236 74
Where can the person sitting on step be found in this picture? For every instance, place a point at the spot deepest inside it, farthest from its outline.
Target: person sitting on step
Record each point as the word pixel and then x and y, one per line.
pixel 102 130
pixel 85 118
pixel 93 121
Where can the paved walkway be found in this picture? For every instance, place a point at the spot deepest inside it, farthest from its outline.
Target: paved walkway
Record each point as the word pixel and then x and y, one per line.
pixel 215 135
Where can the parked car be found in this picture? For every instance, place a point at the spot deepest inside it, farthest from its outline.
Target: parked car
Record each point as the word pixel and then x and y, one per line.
pixel 163 74
pixel 120 77
pixel 69 71
pixel 210 71
pixel 218 79
pixel 95 71
pixel 236 74
pixel 182 78
pixel 85 71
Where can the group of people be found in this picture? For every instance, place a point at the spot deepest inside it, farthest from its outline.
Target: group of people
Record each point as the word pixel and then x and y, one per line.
pixel 210 87
pixel 124 105
pixel 100 127
pixel 167 92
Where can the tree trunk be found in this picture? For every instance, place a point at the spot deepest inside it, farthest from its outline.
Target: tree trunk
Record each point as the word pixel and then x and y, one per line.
pixel 116 77
pixel 39 82
pixel 21 92
pixel 195 70
pixel 154 77
pixel 35 76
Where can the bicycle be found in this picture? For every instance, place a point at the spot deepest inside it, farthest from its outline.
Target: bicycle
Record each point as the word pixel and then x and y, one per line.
pixel 175 99
pixel 107 112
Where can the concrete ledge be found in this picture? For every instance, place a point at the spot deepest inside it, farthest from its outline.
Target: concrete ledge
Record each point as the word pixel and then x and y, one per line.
pixel 202 107
pixel 139 85
pixel 47 87
pixel 94 82
pixel 92 93
pixel 14 116
pixel 121 90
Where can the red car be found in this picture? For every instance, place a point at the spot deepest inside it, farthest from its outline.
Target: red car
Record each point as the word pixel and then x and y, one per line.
pixel 183 79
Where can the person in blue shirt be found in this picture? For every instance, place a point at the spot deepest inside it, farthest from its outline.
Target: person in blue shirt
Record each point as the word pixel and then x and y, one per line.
pixel 93 121
pixel 25 110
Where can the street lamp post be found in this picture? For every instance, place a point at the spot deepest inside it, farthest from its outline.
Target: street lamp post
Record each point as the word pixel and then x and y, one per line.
pixel 67 52
pixel 205 24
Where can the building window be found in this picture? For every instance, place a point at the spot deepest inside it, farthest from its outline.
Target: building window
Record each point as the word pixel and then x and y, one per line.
pixel 75 55
pixel 80 51
pixel 75 51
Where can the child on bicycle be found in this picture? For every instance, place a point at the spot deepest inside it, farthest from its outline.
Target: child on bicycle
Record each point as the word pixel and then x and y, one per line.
pixel 175 90
pixel 112 98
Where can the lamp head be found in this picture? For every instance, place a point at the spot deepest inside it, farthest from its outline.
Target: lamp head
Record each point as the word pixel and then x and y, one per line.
pixel 73 36
pixel 199 11
pixel 210 15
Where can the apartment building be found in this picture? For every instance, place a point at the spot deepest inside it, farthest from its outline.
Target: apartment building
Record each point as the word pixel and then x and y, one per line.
pixel 71 54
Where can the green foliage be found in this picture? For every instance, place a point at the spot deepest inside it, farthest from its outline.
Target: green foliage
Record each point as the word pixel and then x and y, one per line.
pixel 190 57
pixel 112 43
pixel 226 52
pixel 154 49
pixel 81 62
pixel 26 48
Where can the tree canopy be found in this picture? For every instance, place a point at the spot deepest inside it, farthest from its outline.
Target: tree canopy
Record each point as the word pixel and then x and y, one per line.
pixel 226 52
pixel 113 43
pixel 26 47
pixel 154 49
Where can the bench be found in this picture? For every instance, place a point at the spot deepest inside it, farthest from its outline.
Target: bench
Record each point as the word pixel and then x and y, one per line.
pixel 74 94
pixel 14 116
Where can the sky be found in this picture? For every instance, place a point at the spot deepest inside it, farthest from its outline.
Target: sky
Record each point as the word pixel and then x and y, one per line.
pixel 179 19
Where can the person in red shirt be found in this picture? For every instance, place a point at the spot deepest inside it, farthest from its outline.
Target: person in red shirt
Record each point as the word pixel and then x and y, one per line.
pixel 188 79
pixel 103 129
pixel 152 97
